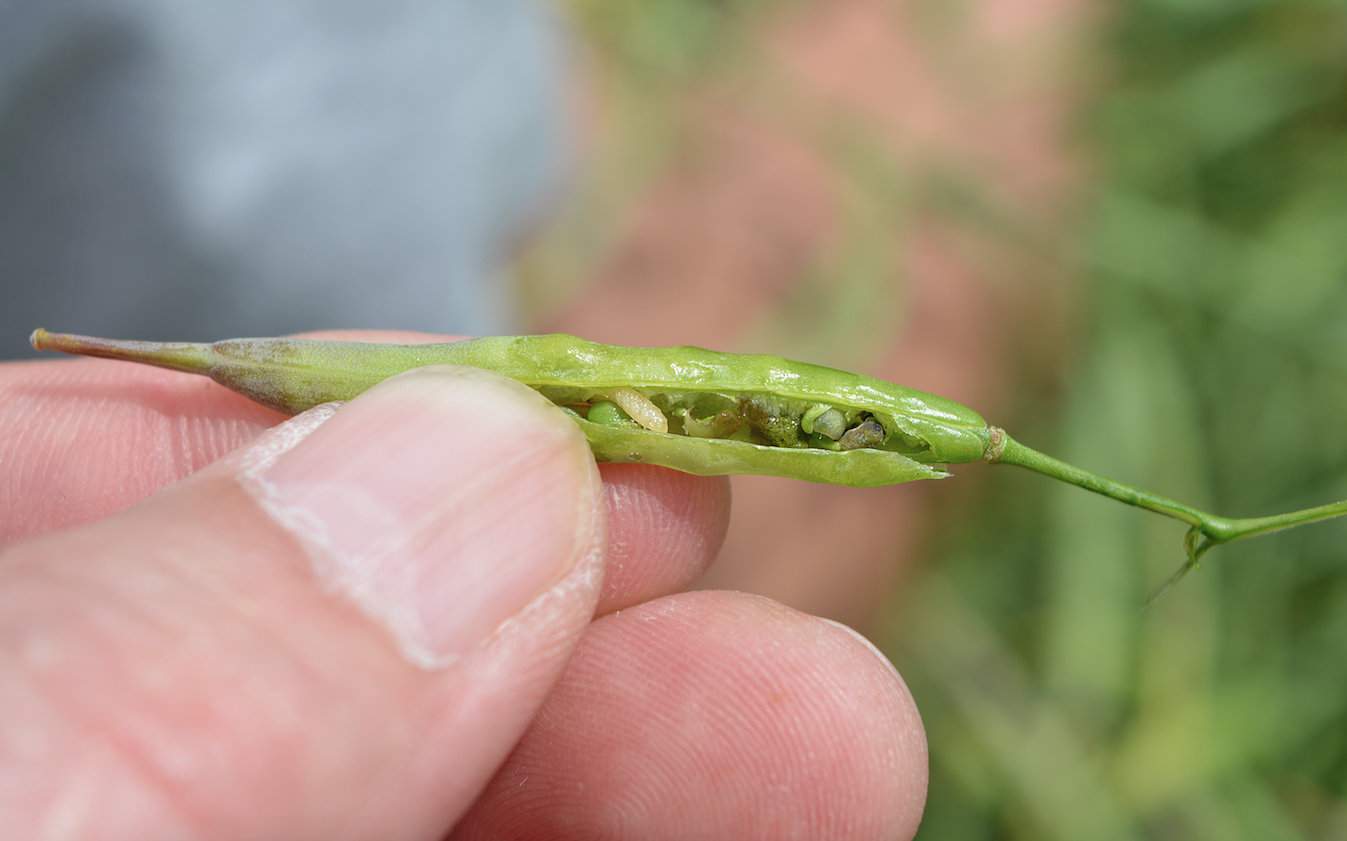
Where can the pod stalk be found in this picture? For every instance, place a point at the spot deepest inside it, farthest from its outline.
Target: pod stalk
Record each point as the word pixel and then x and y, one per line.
pixel 1205 529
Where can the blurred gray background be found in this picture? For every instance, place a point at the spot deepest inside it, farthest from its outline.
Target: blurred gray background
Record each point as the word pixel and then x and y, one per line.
pixel 199 171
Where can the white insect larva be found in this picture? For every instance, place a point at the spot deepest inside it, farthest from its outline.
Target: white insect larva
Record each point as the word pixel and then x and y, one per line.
pixel 639 407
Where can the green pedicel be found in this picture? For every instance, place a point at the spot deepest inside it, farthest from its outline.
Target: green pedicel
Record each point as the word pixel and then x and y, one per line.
pixel 728 413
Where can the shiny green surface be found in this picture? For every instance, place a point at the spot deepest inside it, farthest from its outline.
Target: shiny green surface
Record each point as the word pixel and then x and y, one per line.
pixel 292 375
pixel 303 373
pixel 724 457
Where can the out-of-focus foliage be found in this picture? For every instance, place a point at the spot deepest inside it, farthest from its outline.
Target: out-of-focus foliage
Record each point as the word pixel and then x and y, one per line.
pixel 640 56
pixel 658 42
pixel 1210 365
pixel 1214 368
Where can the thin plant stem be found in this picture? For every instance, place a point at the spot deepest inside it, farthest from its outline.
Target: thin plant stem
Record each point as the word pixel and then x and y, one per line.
pixel 1206 530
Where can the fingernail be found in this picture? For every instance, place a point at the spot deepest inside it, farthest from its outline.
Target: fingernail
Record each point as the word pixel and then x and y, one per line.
pixel 441 502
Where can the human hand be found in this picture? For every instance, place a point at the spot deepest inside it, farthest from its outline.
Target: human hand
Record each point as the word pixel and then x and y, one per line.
pixel 377 621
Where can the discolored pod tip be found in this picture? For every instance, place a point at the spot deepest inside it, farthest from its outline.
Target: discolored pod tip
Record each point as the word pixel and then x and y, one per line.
pixel 178 356
pixel 42 340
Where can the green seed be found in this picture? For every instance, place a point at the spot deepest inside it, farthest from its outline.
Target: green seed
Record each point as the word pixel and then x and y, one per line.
pixel 722 424
pixel 868 433
pixel 831 424
pixel 812 414
pixel 608 414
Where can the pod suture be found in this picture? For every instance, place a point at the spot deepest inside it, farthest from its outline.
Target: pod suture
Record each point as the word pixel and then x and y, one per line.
pixel 686 408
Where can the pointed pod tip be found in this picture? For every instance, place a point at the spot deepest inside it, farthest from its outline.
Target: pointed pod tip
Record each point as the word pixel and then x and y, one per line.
pixel 178 356
pixel 43 339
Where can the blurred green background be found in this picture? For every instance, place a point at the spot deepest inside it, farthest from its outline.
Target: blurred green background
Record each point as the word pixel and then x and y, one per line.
pixel 1189 334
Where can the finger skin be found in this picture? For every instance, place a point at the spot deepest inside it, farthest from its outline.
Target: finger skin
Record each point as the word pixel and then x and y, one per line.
pixel 714 715
pixel 84 439
pixel 80 440
pixel 187 669
pixel 664 530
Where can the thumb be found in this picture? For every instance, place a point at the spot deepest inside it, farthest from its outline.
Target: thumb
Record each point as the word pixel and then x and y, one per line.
pixel 337 633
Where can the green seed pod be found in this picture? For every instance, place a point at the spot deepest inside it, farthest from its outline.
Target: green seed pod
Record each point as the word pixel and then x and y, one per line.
pixel 687 408
pixel 760 399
